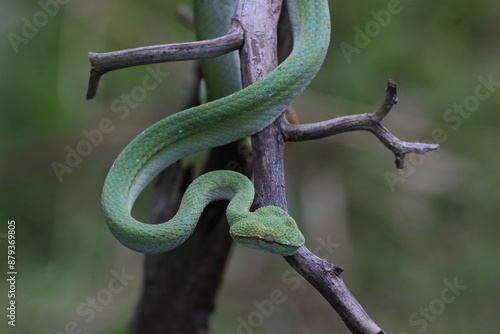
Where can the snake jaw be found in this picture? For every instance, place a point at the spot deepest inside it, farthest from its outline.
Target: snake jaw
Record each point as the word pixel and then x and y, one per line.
pixel 266 244
pixel 268 239
pixel 268 229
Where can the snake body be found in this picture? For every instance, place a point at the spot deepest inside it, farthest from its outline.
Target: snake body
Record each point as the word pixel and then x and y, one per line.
pixel 226 119
pixel 221 75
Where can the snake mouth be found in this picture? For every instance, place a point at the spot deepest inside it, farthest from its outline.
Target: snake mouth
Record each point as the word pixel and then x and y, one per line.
pixel 267 244
pixel 267 239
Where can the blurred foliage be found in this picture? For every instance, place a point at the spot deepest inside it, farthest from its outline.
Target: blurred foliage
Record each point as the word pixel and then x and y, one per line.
pixel 401 242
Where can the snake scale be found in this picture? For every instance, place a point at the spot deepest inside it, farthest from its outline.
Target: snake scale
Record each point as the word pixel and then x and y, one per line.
pixel 225 119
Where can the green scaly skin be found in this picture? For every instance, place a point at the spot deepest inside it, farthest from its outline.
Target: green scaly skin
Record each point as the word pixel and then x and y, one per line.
pixel 221 74
pixel 212 124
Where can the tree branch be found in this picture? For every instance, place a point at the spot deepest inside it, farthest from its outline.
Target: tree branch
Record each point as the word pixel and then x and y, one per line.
pixel 256 37
pixel 369 122
pixel 324 276
pixel 101 63
pixel 269 179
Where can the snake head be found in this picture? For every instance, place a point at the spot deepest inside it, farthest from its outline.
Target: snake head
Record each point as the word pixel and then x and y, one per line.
pixel 269 229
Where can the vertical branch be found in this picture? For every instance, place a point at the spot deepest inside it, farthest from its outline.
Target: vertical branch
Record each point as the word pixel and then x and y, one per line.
pixel 259 57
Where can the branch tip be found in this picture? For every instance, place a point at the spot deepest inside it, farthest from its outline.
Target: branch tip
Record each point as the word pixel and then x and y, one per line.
pixel 392 91
pixel 392 85
pixel 400 160
pixel 391 98
pixel 94 78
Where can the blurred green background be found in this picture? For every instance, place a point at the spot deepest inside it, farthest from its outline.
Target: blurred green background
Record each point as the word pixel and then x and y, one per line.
pixel 404 237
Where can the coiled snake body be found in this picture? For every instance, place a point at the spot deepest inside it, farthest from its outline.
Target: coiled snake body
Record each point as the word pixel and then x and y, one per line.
pixel 212 124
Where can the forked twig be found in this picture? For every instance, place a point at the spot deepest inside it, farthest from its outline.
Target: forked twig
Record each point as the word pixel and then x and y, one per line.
pixel 368 122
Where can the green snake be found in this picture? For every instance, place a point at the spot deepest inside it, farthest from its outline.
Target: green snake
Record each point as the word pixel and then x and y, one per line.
pixel 225 119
